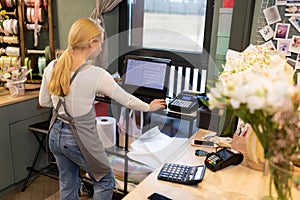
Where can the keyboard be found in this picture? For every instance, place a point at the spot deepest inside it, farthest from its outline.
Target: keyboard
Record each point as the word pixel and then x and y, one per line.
pixel 145 99
pixel 182 174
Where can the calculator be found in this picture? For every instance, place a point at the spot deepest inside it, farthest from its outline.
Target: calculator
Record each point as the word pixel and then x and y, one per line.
pixel 183 174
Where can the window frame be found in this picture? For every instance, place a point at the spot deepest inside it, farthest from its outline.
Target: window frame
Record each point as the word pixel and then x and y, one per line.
pixel 184 58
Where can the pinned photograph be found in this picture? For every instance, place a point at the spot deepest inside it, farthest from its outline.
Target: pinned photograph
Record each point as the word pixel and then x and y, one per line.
pixel 272 15
pixel 295 21
pixel 292 10
pixel 295 44
pixel 281 2
pixel 281 31
pixel 283 46
pixel 267 32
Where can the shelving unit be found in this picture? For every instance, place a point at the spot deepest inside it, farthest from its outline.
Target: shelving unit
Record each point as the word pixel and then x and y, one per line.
pixel 35 34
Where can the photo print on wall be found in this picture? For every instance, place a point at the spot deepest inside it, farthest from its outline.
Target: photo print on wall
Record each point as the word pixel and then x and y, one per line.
pixel 267 32
pixel 283 46
pixel 272 15
pixel 295 21
pixel 281 31
pixel 295 44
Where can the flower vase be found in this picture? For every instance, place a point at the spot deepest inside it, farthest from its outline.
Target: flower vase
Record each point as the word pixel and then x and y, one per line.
pixel 284 182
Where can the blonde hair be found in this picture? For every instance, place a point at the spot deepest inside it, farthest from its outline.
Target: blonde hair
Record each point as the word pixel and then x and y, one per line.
pixel 81 33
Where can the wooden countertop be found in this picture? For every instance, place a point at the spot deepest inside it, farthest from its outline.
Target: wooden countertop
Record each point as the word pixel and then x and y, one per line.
pixel 6 99
pixel 234 182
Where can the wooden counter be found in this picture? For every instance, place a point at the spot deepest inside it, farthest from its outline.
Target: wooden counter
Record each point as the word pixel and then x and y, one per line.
pixel 6 99
pixel 234 182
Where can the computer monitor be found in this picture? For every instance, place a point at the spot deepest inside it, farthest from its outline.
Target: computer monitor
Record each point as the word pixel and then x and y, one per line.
pixel 146 77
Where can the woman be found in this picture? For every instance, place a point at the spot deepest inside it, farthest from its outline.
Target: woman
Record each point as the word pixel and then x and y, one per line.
pixel 69 85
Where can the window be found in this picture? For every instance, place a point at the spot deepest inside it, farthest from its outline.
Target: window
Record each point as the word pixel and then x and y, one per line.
pixel 171 25
pixel 175 29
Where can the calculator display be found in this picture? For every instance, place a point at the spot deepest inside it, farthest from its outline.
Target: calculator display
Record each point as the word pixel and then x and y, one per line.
pixel 198 175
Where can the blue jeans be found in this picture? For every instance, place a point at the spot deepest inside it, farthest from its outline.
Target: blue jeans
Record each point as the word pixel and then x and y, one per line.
pixel 69 159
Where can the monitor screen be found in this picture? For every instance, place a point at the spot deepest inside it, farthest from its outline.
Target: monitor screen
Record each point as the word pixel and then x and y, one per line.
pixel 145 73
pixel 146 76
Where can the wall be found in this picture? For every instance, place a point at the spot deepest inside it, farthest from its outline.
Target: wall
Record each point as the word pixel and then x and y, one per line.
pixel 67 11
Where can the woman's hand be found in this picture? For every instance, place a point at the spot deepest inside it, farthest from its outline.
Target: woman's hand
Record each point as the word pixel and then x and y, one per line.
pixel 157 104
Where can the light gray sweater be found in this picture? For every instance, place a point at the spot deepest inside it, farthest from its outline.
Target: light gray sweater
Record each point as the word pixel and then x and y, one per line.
pixel 88 82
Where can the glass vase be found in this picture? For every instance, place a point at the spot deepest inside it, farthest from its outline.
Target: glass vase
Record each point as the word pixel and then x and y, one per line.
pixel 284 182
pixel 16 88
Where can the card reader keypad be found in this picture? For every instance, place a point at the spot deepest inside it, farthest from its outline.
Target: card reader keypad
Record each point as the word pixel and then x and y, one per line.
pixel 213 159
pixel 181 103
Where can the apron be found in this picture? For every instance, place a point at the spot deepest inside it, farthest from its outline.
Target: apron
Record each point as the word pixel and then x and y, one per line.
pixel 84 129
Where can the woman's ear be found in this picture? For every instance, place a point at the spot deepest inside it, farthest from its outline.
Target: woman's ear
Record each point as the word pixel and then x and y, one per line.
pixel 93 42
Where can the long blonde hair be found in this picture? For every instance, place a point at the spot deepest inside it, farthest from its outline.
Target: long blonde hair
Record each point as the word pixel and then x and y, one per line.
pixel 81 32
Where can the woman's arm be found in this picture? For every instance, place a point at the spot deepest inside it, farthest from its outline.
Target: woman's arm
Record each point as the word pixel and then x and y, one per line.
pixel 110 88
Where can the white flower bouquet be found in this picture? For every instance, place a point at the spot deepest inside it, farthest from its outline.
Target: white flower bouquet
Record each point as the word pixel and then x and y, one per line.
pixel 255 84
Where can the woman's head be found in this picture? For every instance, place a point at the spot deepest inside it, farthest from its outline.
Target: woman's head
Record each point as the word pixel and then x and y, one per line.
pixel 84 34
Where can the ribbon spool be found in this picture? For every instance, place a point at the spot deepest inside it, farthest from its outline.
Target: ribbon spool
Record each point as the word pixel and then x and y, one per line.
pixel 41 15
pixel 11 27
pixel 32 27
pixel 46 52
pixel 31 14
pixel 41 65
pixel 26 61
pixel 31 2
pixel 12 51
pixel 15 26
pixel 9 39
pixel 37 64
pixel 2 51
pixel 6 61
pixel 2 63
pixel 9 3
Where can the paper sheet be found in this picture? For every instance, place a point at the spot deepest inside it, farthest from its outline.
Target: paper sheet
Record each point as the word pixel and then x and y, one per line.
pixel 154 148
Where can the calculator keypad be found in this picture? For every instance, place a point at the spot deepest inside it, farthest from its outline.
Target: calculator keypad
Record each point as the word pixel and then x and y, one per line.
pixel 181 173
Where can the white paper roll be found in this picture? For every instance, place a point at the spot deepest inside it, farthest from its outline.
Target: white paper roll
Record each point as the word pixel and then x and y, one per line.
pixel 107 130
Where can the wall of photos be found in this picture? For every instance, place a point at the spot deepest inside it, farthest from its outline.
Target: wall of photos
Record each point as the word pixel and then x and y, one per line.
pixel 280 28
